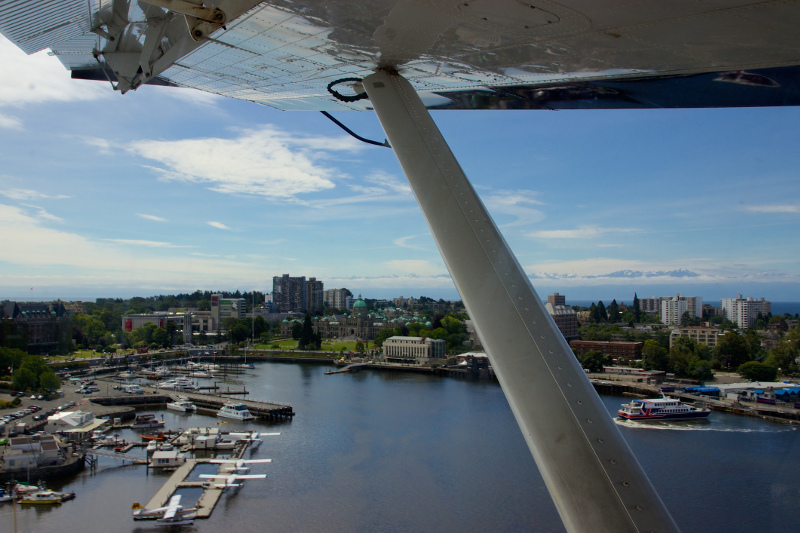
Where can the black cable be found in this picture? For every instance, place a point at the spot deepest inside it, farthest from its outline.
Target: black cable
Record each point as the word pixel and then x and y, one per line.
pixel 343 98
pixel 359 137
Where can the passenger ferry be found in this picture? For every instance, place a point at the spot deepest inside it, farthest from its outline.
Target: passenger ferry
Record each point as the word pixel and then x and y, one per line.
pixel 660 409
pixel 236 411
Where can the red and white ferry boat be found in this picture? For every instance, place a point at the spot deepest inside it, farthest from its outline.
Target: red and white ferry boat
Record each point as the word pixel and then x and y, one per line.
pixel 661 409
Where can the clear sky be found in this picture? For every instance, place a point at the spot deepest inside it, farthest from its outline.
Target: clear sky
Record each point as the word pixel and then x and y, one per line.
pixel 170 190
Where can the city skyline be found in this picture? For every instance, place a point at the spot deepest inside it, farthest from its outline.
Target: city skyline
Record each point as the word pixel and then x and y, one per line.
pixel 168 190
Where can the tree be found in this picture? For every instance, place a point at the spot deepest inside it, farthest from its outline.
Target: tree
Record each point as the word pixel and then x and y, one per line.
pixel 757 371
pixel 732 350
pixel 161 338
pixel 593 360
pixel 602 314
pixel 382 335
pixel 654 356
pixel 637 307
pixel 23 379
pixel 49 381
pixel 613 311
pixel 784 357
pixel 306 339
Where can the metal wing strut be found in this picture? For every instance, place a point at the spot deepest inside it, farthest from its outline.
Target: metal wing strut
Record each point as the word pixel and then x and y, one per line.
pixel 594 479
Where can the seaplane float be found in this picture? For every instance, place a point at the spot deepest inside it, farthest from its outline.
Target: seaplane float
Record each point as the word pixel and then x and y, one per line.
pixel 252 437
pixel 173 514
pixel 239 465
pixel 230 480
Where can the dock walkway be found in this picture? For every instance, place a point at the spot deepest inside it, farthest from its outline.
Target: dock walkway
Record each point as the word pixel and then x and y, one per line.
pixel 211 494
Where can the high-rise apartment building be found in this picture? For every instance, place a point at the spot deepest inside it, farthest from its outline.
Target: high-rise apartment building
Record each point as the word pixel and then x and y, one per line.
pixel 334 298
pixel 313 297
pixel 744 312
pixel 296 294
pixel 289 293
pixel 556 299
pixel 672 309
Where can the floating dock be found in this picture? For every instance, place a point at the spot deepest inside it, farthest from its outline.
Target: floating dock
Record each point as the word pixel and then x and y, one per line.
pixel 211 494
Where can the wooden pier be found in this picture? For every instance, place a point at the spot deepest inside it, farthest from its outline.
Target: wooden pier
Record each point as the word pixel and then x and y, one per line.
pixel 211 494
pixel 208 401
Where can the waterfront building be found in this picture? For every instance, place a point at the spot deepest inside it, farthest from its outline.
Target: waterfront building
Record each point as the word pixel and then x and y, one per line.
pixel 619 350
pixel 222 308
pixel 38 328
pixel 413 350
pixel 26 453
pixel 186 321
pixel 702 334
pixel 673 309
pixel 744 311
pixel 565 318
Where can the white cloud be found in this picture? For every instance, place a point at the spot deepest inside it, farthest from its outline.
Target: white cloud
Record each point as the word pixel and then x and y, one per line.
pixel 402 242
pixel 219 225
pixel 10 123
pixel 151 244
pixel 778 208
pixel 41 78
pixel 516 204
pixel 581 232
pixel 29 194
pixel 31 251
pixel 154 218
pixel 42 213
pixel 417 267
pixel 265 162
pixel 103 145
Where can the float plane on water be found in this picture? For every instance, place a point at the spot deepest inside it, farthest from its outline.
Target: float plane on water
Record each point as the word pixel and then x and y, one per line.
pixel 172 514
pixel 231 479
pixel 239 465
pixel 401 58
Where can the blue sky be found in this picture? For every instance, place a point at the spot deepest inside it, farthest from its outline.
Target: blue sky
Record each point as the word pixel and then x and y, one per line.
pixel 170 190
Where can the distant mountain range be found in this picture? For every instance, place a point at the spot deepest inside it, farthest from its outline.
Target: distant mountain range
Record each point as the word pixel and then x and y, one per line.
pixel 627 274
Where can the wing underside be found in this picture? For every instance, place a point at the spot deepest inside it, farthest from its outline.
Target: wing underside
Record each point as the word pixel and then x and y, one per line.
pixel 481 54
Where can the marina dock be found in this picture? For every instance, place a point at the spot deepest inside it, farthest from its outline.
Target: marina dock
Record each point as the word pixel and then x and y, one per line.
pixel 211 494
pixel 208 401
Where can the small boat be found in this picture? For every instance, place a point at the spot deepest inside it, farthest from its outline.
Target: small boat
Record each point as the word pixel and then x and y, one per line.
pixel 661 409
pixel 153 436
pixel 236 411
pixel 5 496
pixel 180 384
pixel 147 421
pixel 184 406
pixel 45 497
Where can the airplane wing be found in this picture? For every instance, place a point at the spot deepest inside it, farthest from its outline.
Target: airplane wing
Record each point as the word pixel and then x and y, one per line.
pixel 480 54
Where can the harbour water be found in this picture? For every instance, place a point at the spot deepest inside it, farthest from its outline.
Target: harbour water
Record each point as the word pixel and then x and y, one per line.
pixel 396 452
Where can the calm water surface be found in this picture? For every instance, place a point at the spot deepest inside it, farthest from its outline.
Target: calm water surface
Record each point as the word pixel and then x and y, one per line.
pixel 394 452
